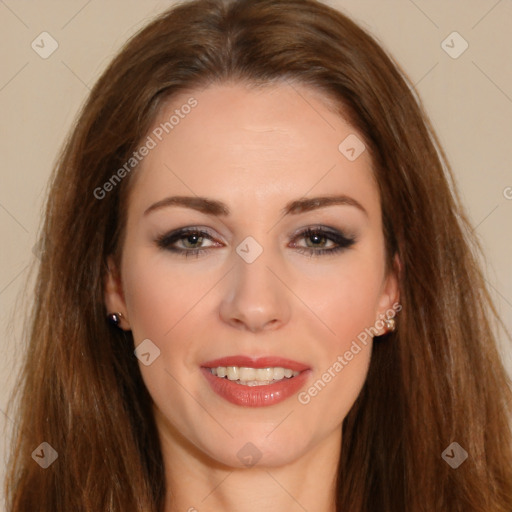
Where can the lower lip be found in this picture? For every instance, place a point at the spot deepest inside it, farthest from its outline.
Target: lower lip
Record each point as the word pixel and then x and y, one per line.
pixel 256 396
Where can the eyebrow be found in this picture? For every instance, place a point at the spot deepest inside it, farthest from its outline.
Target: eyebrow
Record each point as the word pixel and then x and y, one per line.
pixel 217 208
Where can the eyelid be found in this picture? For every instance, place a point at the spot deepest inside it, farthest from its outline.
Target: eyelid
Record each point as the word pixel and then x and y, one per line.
pixel 341 240
pixel 316 227
pixel 324 229
pixel 176 234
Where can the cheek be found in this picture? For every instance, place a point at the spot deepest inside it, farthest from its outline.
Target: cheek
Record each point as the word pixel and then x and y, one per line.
pixel 158 298
pixel 345 300
pixel 348 309
pixel 165 307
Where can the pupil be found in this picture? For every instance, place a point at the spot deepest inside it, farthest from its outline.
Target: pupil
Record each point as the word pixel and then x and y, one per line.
pixel 193 239
pixel 316 239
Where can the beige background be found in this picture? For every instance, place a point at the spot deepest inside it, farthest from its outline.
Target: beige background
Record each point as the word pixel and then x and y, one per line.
pixel 469 100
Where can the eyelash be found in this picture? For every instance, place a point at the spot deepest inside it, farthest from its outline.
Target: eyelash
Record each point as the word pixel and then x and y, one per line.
pixel 342 241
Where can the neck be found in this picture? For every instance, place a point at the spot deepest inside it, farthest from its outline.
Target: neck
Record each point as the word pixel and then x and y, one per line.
pixel 196 483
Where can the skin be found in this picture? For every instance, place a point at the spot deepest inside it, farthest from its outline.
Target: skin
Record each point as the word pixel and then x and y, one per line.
pixel 254 150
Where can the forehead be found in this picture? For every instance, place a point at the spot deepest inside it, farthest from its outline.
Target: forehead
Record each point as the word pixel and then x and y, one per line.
pixel 245 144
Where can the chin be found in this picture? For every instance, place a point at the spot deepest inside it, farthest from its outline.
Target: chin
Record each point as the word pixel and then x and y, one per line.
pixel 259 450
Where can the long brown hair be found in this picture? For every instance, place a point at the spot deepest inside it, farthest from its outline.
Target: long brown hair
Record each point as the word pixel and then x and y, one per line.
pixel 438 379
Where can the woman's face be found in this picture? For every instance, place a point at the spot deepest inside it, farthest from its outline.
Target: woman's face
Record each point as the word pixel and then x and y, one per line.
pixel 271 255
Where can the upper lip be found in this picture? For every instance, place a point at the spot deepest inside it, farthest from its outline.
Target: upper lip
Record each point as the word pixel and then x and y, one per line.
pixel 260 362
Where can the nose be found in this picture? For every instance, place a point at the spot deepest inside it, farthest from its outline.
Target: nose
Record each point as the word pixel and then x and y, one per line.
pixel 255 299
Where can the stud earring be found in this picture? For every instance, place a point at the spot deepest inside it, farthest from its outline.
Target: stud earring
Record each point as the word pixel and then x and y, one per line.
pixel 390 324
pixel 114 319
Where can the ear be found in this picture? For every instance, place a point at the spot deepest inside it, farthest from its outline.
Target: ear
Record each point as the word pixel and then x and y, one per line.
pixel 389 302
pixel 113 293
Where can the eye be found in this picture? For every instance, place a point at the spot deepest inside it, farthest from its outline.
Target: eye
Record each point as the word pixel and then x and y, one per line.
pixel 191 241
pixel 195 241
pixel 322 240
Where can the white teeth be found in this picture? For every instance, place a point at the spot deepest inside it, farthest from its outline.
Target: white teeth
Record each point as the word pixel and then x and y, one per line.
pixel 254 382
pixel 253 376
pixel 232 372
pixel 247 374
pixel 266 374
pixel 278 373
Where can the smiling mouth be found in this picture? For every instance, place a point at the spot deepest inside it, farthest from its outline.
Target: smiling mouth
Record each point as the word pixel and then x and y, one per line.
pixel 246 376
